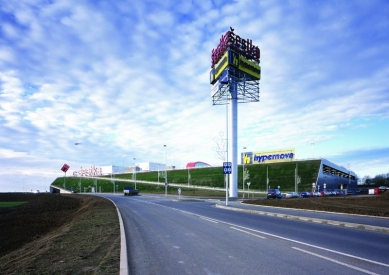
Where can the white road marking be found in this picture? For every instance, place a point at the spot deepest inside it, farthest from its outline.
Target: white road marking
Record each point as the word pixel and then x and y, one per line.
pixel 279 237
pixel 262 237
pixel 335 261
pixel 208 219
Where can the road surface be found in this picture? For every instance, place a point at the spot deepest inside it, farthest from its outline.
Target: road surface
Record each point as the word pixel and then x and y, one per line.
pixel 165 235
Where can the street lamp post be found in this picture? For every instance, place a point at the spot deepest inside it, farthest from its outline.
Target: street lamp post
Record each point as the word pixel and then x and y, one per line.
pixel 188 176
pixel 166 182
pixel 123 156
pixel 313 150
pixel 79 183
pixel 135 172
pixel 113 183
pixel 243 169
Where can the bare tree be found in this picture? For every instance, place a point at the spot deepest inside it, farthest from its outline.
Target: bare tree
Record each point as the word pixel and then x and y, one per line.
pixel 220 146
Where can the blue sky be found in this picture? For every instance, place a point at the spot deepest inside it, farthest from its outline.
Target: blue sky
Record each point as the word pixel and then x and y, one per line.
pixel 127 77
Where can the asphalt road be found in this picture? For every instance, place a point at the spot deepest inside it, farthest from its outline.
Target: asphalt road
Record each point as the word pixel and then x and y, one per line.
pixel 168 236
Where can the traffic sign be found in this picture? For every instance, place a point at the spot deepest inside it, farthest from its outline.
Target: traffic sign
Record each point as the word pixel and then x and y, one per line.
pixel 227 168
pixel 179 191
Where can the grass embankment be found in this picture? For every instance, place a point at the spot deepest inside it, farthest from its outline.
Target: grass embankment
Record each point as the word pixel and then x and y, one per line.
pixel 279 174
pixel 4 204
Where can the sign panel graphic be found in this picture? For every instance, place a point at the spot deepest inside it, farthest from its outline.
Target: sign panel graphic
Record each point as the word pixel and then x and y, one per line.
pixel 219 69
pixel 65 168
pixel 227 168
pixel 244 65
pixel 269 156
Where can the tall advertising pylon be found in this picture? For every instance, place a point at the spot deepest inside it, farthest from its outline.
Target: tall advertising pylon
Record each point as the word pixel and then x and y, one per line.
pixel 235 76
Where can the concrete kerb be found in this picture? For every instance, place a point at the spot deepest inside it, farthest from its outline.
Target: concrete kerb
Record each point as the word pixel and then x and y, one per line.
pixel 306 219
pixel 123 245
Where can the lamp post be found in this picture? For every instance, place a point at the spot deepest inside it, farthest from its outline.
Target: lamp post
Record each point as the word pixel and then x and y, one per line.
pixel 123 156
pixel 188 176
pixel 135 172
pixel 243 169
pixel 313 150
pixel 79 183
pixel 166 182
pixel 348 177
pixel 111 178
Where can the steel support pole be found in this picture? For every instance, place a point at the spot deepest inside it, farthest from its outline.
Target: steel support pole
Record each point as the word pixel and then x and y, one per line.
pixel 233 137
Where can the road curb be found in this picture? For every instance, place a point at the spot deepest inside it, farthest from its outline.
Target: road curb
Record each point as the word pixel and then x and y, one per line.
pixel 123 244
pixel 307 219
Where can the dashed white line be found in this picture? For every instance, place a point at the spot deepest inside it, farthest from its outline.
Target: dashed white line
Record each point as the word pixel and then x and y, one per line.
pixel 259 236
pixel 208 219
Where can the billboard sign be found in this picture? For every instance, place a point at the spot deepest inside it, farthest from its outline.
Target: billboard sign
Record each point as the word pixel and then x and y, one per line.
pixel 270 156
pixel 92 171
pixel 244 65
pixel 234 42
pixel 234 59
pixel 219 68
pixel 216 87
pixel 219 83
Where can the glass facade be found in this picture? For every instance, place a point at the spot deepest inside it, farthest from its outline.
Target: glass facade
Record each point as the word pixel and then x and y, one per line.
pixel 332 177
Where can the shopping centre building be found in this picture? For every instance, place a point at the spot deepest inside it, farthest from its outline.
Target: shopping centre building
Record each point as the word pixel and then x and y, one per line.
pixel 330 176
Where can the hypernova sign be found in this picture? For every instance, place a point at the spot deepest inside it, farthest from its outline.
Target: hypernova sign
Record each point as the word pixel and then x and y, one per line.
pixel 281 155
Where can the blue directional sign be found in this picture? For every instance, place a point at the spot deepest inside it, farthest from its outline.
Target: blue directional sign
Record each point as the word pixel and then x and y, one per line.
pixel 227 168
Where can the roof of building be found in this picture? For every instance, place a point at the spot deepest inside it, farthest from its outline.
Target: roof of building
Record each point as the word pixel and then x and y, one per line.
pixel 197 164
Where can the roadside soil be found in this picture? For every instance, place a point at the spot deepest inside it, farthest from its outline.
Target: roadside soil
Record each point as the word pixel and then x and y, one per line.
pixel 59 234
pixel 372 205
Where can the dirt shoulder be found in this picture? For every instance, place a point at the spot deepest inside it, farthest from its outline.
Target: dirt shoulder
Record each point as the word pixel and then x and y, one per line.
pixel 59 234
pixel 373 205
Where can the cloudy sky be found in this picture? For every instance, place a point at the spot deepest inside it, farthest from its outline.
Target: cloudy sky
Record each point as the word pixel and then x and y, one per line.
pixel 128 77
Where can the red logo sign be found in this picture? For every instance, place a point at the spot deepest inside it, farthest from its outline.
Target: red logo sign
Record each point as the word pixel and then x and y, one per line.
pixel 242 46
pixel 65 168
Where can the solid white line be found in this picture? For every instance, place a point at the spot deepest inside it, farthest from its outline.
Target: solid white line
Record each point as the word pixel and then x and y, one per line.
pixel 248 232
pixel 337 262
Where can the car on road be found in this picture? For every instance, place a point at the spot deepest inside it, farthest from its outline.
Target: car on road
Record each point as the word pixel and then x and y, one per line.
pixel 305 195
pixel 274 193
pixel 291 195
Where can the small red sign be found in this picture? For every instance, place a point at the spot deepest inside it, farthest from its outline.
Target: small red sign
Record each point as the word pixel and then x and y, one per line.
pixel 65 167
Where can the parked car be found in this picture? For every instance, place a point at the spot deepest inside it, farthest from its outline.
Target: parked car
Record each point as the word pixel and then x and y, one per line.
pixel 291 195
pixel 305 195
pixel 274 193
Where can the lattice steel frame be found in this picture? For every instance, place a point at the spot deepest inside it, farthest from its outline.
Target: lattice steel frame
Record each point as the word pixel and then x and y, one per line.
pixel 247 87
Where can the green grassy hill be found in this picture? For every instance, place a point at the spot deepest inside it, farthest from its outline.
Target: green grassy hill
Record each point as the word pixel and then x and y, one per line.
pixel 280 174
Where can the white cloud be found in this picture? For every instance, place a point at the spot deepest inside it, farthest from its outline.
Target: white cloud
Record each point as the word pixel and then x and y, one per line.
pixel 129 77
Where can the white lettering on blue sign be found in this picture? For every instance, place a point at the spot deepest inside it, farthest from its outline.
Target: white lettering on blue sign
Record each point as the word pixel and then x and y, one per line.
pixel 227 168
